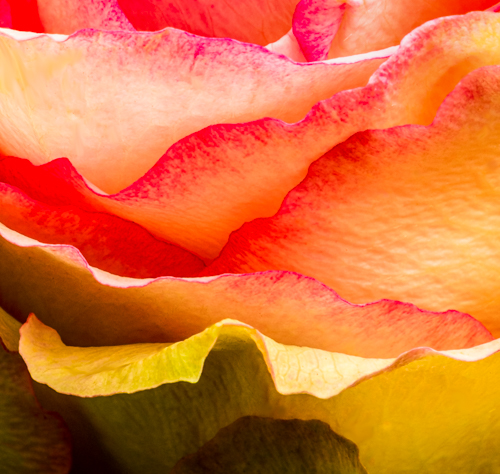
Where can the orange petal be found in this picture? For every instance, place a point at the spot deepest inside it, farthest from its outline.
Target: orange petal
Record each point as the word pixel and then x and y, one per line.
pixel 409 213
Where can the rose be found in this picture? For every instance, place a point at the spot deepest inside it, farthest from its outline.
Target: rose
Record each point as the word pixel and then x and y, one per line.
pixel 173 309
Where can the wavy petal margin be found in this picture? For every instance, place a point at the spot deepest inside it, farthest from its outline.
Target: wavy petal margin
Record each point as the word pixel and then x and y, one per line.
pixel 392 213
pixel 114 102
pixel 212 182
pixel 424 408
pixel 374 24
pixel 91 307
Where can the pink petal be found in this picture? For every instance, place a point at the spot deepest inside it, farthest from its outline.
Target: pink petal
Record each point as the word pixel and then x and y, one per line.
pixel 113 103
pixel 212 182
pixel 5 15
pixel 90 307
pixel 107 242
pixel 315 24
pixel 409 213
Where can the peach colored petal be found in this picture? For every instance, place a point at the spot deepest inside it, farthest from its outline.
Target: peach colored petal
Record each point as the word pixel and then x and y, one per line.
pixel 378 24
pixel 90 307
pixel 288 46
pixel 409 213
pixel 114 102
pixel 210 183
pixel 107 242
pixel 68 16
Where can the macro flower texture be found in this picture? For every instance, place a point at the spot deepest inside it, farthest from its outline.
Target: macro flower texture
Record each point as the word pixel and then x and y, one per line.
pixel 258 236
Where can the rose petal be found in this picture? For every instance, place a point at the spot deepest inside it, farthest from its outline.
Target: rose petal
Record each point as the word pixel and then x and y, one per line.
pixel 113 102
pixel 68 16
pixel 409 213
pixel 107 242
pixel 494 8
pixel 430 408
pixel 25 15
pixel 252 21
pixel 315 24
pixel 5 16
pixel 91 307
pixel 213 181
pixel 376 24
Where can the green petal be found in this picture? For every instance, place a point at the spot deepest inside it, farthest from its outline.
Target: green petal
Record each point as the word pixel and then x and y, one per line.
pixel 31 440
pixel 426 411
pixel 256 445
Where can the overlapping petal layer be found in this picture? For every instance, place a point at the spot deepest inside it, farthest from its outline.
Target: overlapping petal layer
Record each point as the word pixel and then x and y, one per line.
pixel 148 414
pixel 107 242
pixel 114 102
pixel 369 25
pixel 213 181
pixel 31 439
pixel 91 307
pixel 396 212
pixel 424 408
